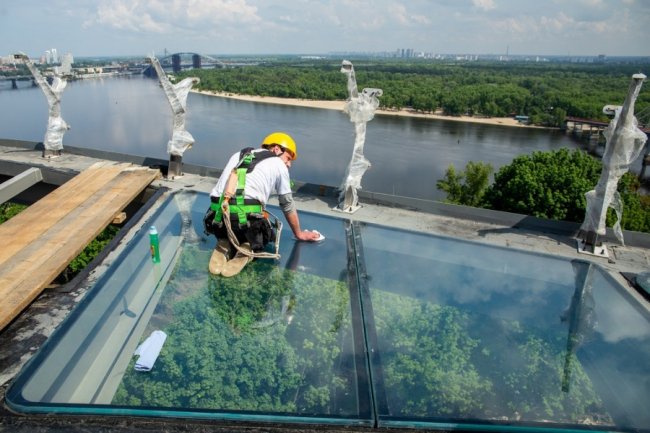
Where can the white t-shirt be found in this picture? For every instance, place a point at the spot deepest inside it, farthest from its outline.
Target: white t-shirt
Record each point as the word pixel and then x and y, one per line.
pixel 268 176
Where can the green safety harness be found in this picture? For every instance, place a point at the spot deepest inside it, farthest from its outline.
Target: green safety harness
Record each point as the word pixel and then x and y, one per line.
pixel 243 207
pixel 238 204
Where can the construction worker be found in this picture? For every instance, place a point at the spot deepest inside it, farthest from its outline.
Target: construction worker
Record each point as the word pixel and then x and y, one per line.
pixel 247 181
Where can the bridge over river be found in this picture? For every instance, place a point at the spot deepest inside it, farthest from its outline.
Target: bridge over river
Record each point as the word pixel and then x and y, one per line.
pixel 14 80
pixel 179 61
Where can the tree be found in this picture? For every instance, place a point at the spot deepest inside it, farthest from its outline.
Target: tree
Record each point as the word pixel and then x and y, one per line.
pixel 553 185
pixel 545 184
pixel 466 187
pixel 636 207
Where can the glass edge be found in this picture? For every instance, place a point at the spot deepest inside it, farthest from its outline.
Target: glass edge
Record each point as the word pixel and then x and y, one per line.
pixel 26 407
pixel 491 427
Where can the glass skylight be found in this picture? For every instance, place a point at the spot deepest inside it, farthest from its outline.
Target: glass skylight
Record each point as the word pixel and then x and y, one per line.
pixel 372 327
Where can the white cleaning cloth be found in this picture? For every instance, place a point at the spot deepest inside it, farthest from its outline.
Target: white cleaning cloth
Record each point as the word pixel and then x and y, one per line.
pixel 149 350
pixel 320 236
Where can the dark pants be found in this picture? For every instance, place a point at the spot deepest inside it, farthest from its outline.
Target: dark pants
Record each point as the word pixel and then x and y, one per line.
pixel 257 232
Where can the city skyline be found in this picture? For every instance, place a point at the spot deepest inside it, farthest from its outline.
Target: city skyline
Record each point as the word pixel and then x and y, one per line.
pixel 121 27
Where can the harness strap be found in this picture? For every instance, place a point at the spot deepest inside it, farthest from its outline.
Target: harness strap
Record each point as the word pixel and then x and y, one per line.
pixel 239 194
pixel 249 206
pixel 239 205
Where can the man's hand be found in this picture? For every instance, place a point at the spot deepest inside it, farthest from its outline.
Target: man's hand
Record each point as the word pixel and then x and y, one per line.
pixel 307 235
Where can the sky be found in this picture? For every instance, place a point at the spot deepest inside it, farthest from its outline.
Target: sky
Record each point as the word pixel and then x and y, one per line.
pixel 231 27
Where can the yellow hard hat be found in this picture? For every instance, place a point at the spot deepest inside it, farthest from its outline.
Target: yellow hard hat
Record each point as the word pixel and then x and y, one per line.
pixel 283 140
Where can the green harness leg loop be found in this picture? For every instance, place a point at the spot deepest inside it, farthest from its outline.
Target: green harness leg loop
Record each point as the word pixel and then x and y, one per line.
pixel 238 209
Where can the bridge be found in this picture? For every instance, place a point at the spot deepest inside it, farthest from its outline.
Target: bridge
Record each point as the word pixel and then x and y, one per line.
pixel 179 61
pixel 14 80
pixel 577 124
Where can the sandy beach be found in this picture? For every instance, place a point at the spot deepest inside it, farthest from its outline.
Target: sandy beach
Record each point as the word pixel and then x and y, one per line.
pixel 338 105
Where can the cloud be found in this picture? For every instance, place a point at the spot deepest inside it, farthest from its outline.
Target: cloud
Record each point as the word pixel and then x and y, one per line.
pixel 399 12
pixel 126 17
pixel 485 5
pixel 557 23
pixel 161 16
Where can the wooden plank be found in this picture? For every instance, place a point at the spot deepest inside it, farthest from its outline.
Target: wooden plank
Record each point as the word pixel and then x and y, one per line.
pixel 99 209
pixel 119 218
pixel 30 269
pixel 61 200
pixel 33 221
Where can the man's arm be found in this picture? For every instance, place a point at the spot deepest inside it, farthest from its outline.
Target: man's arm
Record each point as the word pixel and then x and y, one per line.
pixel 291 214
pixel 294 223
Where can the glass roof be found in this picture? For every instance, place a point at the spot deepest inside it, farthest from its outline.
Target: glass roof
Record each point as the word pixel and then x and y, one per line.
pixel 372 327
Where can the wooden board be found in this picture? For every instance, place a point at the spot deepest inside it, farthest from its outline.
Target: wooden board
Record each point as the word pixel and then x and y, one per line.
pixel 42 240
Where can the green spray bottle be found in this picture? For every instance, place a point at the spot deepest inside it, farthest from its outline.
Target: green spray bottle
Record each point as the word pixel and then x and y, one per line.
pixel 154 244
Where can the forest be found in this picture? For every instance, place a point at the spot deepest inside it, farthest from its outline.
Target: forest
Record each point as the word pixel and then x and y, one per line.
pixel 545 92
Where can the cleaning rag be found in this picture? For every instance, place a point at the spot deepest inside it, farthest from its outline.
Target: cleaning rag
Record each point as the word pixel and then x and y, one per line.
pixel 149 350
pixel 320 235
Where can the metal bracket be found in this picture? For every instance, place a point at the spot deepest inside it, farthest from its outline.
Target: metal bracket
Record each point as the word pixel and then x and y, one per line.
pixel 592 248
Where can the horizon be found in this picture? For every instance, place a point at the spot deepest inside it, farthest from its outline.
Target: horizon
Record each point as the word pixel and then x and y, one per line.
pixel 377 55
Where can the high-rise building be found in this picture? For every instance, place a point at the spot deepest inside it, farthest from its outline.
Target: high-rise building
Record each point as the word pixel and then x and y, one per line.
pixel 55 56
pixel 66 63
pixel 48 57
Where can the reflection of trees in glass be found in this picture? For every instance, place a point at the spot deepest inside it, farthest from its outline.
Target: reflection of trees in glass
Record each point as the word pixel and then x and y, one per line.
pixel 440 361
pixel 266 340
pixel 425 353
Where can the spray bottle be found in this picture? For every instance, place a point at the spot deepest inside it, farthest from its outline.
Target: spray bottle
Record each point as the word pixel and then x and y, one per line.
pixel 154 244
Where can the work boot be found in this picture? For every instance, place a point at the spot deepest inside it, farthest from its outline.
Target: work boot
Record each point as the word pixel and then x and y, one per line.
pixel 219 257
pixel 237 263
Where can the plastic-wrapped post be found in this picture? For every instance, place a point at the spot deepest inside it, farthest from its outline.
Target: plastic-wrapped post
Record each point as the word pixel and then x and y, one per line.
pixel 625 142
pixel 154 244
pixel 361 108
pixel 56 126
pixel 177 96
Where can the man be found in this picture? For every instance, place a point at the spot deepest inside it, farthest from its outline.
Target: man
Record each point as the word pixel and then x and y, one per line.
pixel 244 188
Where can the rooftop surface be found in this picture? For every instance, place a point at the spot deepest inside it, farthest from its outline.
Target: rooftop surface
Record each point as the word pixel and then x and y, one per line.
pixel 25 335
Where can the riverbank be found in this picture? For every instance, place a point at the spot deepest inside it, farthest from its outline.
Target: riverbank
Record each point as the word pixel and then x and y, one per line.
pixel 338 105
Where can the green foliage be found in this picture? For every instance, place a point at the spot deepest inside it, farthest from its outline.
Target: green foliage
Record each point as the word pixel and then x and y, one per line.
pixel 273 340
pixel 545 184
pixel 8 210
pixel 553 185
pixel 467 187
pixel 88 254
pixel 265 340
pixel 428 369
pixel 636 207
pixel 442 360
pixel 547 93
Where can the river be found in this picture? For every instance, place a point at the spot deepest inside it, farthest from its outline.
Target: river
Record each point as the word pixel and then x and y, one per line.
pixel 131 115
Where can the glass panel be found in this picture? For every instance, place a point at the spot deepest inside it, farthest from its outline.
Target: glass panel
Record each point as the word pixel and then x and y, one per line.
pixel 475 336
pixel 273 343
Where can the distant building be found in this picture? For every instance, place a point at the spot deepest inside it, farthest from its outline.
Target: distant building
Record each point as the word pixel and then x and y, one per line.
pixel 66 64
pixel 7 60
